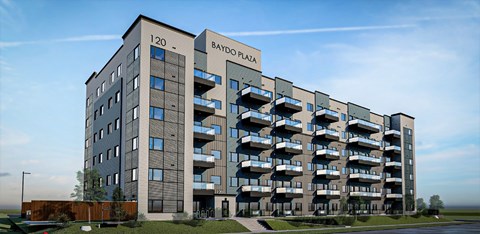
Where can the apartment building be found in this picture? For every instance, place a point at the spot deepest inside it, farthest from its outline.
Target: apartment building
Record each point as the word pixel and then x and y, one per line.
pixel 186 123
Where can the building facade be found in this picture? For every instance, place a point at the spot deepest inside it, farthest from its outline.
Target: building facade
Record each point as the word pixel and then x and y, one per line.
pixel 186 123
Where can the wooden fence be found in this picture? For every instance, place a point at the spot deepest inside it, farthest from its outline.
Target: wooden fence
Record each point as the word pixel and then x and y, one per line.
pixel 41 210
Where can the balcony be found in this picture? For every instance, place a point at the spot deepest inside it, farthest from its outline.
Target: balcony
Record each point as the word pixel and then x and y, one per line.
pixel 288 104
pixel 365 160
pixel 393 134
pixel 326 115
pixel 328 193
pixel 396 196
pixel 287 125
pixel 365 178
pixel 256 95
pixel 289 170
pixel 203 161
pixel 366 195
pixel 203 80
pixel 289 192
pixel 328 154
pixel 364 142
pixel 394 165
pixel 393 149
pixel 256 118
pixel 327 134
pixel 204 134
pixel 328 174
pixel 203 106
pixel 256 142
pixel 364 125
pixel 394 181
pixel 203 188
pixel 255 166
pixel 256 191
pixel 288 148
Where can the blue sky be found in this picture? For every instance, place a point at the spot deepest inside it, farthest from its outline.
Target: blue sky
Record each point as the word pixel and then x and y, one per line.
pixel 418 57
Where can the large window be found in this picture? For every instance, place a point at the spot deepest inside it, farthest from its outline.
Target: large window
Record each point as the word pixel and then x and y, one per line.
pixel 344 117
pixel 155 206
pixel 156 143
pixel 115 178
pixel 156 113
pixel 119 70
pixel 218 104
pixel 215 180
pixel 233 84
pixel 155 174
pixel 135 82
pixel 233 108
pixel 117 151
pixel 157 53
pixel 217 128
pixel 117 97
pixel 135 53
pixel 157 83
pixel 309 127
pixel 309 107
pixel 135 143
pixel 234 132
pixel 134 174
pixel 217 154
pixel 135 112
pixel 117 123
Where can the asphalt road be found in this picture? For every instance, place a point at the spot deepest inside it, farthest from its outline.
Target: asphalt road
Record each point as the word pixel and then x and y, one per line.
pixel 464 228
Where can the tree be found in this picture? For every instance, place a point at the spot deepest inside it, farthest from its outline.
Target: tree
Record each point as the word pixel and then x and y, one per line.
pixel 343 205
pixel 78 190
pixel 436 203
pixel 116 209
pixel 93 189
pixel 409 202
pixel 421 205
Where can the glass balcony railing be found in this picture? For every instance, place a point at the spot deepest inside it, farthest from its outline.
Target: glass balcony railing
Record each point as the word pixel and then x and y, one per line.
pixel 364 176
pixel 364 122
pixel 258 164
pixel 256 139
pixel 203 186
pixel 364 158
pixel 257 115
pixel 258 91
pixel 290 145
pixel 288 122
pixel 325 131
pixel 364 140
pixel 365 194
pixel 203 158
pixel 326 112
pixel 392 132
pixel 205 75
pixel 393 147
pixel 393 180
pixel 327 152
pixel 394 195
pixel 327 192
pixel 289 190
pixel 288 168
pixel 256 188
pixel 203 102
pixel 288 100
pixel 393 164
pixel 328 172
pixel 203 130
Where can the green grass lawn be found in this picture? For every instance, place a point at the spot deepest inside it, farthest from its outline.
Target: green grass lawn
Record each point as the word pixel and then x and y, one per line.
pixel 289 225
pixel 461 214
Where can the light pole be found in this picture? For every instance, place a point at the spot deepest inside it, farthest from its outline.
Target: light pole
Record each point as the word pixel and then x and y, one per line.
pixel 23 182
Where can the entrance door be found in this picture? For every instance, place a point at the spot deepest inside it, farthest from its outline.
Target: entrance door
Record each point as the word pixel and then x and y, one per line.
pixel 225 209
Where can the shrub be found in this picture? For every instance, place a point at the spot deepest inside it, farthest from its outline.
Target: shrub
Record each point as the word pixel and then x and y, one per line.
pixel 137 222
pixel 61 218
pixel 345 220
pixel 417 215
pixel 395 216
pixel 363 218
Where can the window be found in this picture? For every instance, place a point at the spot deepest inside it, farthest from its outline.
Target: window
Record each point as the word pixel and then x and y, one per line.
pixel 117 151
pixel 309 187
pixel 156 143
pixel 115 178
pixel 309 107
pixel 94 160
pixel 179 206
pixel 215 179
pixel 298 184
pixel 344 135
pixel 112 77
pixel 135 143
pixel 233 157
pixel 103 87
pixel 88 102
pixel 94 137
pixel 409 132
pixel 410 161
pixel 101 110
pixel 309 127
pixel 411 176
pixel 109 154
pixel 157 83
pixel 98 91
pixel 156 113
pixel 117 97
pixel 100 158
pixel 134 174
pixel 217 128
pixel 135 112
pixel 110 103
pixel 135 82
pixel 86 164
pixel 117 123
pixel 109 128
pixel 410 146
pixel 217 154
pixel 119 70
pixel 100 134
pixel 233 108
pixel 310 146
pixel 135 53
pixel 411 191
pixel 218 104
pixel 344 189
pixel 87 143
pixel 234 132
pixel 155 174
pixel 100 182
pixel 95 115
pixel 109 180
pixel 155 206
pixel 157 53
pixel 310 166
pixel 344 171
pixel 233 182
pixel 233 84
pixel 344 117
pixel 218 80
pixel 343 153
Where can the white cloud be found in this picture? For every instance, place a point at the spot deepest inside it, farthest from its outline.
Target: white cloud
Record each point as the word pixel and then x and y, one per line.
pixel 106 37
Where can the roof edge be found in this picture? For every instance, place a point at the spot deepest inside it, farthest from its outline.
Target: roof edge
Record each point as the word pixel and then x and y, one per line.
pixel 140 17
pixel 400 113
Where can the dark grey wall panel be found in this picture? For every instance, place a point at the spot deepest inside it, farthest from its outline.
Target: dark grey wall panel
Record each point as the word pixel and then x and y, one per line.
pixel 358 111
pixel 200 60
pixel 387 121
pixel 283 87
pixel 322 100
